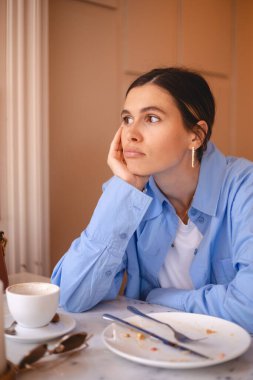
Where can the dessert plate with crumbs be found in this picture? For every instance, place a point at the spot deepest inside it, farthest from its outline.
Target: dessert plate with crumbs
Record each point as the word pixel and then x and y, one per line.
pixel 224 340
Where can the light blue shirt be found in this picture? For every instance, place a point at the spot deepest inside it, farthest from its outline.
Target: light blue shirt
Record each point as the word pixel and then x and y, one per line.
pixel 133 231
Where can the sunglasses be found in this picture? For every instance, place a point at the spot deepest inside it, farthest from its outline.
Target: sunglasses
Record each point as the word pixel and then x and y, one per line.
pixel 68 344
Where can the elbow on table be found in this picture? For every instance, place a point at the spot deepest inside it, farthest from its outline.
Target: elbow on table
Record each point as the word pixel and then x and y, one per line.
pixel 75 307
pixel 75 303
pixel 71 299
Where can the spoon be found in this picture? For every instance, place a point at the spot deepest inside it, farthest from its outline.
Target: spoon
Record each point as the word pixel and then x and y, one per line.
pixel 11 330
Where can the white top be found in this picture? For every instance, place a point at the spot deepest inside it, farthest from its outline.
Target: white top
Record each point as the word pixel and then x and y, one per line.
pixel 175 269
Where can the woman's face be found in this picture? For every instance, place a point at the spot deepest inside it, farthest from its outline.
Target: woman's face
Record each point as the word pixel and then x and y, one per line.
pixel 154 139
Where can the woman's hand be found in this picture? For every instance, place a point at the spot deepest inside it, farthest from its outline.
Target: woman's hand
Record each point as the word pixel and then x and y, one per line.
pixel 118 165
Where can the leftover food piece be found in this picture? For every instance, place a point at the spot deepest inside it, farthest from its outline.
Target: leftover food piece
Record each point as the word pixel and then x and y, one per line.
pixel 210 331
pixel 140 336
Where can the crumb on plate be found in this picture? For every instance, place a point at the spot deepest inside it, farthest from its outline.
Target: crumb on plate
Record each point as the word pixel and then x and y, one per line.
pixel 140 336
pixel 210 331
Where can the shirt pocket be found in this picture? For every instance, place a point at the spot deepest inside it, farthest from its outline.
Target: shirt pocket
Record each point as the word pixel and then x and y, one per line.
pixel 224 271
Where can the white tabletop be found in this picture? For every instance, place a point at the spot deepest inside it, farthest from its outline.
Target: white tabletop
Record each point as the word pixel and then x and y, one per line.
pixel 98 363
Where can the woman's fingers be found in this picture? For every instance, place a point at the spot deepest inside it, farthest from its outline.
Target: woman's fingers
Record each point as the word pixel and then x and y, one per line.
pixel 116 146
pixel 115 156
pixel 118 165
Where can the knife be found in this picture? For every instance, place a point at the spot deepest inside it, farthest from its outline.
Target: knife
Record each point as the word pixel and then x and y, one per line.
pixel 111 317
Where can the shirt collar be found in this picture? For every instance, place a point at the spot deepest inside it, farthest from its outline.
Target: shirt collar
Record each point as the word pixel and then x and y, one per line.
pixel 212 171
pixel 213 165
pixel 158 200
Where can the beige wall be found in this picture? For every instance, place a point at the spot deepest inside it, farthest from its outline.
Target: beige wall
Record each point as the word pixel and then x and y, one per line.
pixel 97 48
pixel 193 33
pixel 243 102
pixel 83 112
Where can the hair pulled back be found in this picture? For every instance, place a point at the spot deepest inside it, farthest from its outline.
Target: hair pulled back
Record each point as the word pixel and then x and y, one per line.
pixel 191 94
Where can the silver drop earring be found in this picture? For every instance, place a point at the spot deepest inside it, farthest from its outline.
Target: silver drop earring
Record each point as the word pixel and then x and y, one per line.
pixel 193 157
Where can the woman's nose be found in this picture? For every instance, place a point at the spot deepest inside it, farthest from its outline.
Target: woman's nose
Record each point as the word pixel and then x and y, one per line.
pixel 133 133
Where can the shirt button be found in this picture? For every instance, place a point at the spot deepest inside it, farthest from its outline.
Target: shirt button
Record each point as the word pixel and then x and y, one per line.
pixel 201 219
pixel 108 273
pixel 123 235
pixel 193 212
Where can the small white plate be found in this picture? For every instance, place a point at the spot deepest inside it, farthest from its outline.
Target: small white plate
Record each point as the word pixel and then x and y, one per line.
pixel 224 340
pixel 51 331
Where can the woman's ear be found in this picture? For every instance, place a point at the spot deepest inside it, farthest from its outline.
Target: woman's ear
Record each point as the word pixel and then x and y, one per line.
pixel 200 131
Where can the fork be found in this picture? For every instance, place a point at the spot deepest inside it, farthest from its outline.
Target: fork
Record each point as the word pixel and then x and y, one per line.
pixel 179 336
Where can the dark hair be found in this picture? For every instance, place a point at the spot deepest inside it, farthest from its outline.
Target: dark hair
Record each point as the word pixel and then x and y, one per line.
pixel 192 95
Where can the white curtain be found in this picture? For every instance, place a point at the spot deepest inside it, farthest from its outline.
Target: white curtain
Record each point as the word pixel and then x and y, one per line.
pixel 27 136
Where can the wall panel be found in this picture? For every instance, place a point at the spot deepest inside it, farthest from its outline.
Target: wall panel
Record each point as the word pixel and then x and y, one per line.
pixel 104 3
pixel 150 34
pixel 244 79
pixel 222 129
pixel 83 113
pixel 207 35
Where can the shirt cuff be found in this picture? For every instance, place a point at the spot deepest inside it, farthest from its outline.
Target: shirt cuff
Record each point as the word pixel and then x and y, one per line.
pixel 119 212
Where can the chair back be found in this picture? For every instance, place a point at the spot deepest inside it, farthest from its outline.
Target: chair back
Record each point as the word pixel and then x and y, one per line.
pixel 3 268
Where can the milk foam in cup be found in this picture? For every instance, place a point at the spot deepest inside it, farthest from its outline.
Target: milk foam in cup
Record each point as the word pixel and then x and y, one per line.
pixel 33 304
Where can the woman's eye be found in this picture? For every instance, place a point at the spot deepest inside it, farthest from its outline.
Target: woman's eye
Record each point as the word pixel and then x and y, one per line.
pixel 152 119
pixel 127 120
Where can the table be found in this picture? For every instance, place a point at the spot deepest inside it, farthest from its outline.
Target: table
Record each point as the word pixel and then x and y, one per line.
pixel 98 363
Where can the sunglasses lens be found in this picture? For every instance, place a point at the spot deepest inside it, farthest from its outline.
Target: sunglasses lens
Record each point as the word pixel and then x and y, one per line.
pixel 71 342
pixel 34 355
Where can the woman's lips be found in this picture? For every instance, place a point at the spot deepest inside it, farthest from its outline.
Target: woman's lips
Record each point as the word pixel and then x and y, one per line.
pixel 131 153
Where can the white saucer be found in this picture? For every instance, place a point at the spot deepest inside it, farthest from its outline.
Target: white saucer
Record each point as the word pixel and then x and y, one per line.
pixel 51 331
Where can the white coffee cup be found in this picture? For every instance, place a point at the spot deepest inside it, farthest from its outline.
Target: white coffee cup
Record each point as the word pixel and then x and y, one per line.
pixel 33 304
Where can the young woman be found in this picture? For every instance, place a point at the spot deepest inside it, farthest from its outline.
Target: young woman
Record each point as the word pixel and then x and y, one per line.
pixel 177 215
